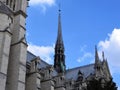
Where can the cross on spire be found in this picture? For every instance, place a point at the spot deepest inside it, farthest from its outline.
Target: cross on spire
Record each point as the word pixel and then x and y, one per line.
pixel 59 8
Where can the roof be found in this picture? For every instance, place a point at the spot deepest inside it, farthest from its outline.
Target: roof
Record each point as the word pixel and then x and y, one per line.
pixel 73 73
pixel 70 73
pixel 43 64
pixel 31 56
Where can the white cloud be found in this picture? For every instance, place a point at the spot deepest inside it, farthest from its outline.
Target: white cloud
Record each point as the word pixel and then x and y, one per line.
pixel 111 47
pixel 42 3
pixel 118 87
pixel 84 57
pixel 45 52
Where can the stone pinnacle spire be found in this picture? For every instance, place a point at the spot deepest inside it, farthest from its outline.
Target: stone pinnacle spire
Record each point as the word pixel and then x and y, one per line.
pixel 97 60
pixel 96 55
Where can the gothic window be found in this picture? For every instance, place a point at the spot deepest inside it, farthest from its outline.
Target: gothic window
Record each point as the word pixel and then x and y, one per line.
pixel 56 59
pixel 11 3
pixel 61 78
pixel 70 83
pixel 98 67
pixel 6 2
pixel 49 71
pixel 14 4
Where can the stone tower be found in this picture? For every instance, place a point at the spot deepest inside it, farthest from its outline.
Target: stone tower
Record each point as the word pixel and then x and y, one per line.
pixel 13 45
pixel 59 58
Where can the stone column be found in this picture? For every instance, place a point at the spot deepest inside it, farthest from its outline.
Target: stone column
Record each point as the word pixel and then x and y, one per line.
pixel 47 82
pixel 47 85
pixel 18 50
pixel 17 62
pixel 33 77
pixel 60 82
pixel 69 84
pixel 5 40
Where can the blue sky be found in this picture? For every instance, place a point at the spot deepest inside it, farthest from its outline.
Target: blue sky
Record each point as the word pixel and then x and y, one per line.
pixel 85 23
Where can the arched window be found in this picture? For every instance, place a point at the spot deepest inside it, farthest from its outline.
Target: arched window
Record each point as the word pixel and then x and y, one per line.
pixel 14 4
pixel 6 2
pixel 11 4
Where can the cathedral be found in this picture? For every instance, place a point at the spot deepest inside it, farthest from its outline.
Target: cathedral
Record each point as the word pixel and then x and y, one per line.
pixel 22 70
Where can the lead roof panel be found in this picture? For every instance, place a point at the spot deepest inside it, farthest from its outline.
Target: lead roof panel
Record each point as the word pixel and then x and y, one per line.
pixel 73 73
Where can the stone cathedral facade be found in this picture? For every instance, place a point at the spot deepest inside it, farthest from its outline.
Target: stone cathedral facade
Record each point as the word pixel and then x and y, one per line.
pixel 22 70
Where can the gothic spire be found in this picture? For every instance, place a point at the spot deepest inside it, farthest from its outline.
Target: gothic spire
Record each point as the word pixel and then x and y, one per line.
pixel 96 54
pixel 97 60
pixel 59 59
pixel 59 36
pixel 103 56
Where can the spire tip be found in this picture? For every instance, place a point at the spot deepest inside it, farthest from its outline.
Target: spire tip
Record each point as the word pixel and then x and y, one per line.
pixel 103 55
pixel 59 7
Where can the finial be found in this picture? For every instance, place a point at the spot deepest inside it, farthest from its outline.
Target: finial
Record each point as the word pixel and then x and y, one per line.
pixel 59 7
pixel 96 53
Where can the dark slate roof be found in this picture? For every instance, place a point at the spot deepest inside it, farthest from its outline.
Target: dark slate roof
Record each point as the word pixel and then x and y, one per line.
pixel 43 64
pixel 70 73
pixel 31 56
pixel 73 73
pixel 4 9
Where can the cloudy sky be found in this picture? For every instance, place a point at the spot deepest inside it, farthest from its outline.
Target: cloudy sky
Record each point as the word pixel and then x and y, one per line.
pixel 85 23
